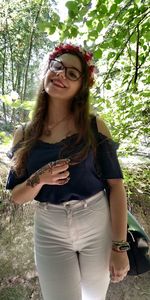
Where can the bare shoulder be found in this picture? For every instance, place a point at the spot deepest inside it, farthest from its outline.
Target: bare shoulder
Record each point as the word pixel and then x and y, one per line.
pixel 18 133
pixel 102 127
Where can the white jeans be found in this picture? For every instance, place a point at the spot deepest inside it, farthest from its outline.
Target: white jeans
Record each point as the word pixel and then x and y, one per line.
pixel 72 249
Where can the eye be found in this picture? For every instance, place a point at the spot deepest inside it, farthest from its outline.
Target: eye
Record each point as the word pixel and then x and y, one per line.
pixel 72 74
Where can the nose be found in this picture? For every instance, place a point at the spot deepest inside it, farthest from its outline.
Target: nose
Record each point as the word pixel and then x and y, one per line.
pixel 61 74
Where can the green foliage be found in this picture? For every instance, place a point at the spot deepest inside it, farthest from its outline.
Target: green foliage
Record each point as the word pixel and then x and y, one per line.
pixel 118 34
pixel 137 180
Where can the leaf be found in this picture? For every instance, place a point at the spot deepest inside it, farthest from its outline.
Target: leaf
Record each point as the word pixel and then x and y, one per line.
pixel 111 55
pixel 72 14
pixel 93 13
pixel 74 31
pixel 72 6
pixel 43 25
pixel 93 34
pixel 116 42
pixel 103 10
pixel 98 53
pixel 108 86
pixel 133 38
pixel 51 30
pixel 113 9
pixel 89 23
pixel 118 1
pixel 146 94
pixel 147 35
pixel 100 26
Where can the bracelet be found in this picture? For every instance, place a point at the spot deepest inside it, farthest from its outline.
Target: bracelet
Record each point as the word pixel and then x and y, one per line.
pixel 118 243
pixel 118 250
pixel 120 246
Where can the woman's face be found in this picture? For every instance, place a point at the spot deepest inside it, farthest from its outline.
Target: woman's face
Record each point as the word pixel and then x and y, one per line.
pixel 58 83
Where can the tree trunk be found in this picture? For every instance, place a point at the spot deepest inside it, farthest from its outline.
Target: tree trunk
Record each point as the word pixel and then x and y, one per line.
pixel 30 48
pixel 3 78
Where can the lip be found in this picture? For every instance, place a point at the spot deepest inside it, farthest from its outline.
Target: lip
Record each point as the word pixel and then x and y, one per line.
pixel 58 83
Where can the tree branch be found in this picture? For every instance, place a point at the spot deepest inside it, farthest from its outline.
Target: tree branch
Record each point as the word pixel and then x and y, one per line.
pixel 120 53
pixel 137 55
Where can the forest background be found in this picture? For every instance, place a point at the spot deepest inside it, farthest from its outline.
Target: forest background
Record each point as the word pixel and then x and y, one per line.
pixel 118 34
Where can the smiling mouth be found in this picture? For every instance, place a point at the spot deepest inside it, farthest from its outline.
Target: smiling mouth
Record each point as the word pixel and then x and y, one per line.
pixel 58 83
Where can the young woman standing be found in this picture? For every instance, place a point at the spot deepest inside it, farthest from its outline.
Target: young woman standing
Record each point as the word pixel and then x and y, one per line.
pixel 79 240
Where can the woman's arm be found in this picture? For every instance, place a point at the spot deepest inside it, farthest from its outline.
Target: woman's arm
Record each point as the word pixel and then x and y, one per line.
pixel 118 209
pixel 54 173
pixel 119 263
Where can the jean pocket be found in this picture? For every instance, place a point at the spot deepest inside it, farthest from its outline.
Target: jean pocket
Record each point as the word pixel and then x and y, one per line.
pixel 96 206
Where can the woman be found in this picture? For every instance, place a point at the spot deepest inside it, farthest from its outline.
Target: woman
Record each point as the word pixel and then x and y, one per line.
pixel 80 240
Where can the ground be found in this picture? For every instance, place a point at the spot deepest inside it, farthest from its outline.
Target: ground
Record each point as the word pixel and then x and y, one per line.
pixel 18 276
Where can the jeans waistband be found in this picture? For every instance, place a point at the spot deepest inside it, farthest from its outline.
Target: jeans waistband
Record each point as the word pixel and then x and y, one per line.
pixel 73 203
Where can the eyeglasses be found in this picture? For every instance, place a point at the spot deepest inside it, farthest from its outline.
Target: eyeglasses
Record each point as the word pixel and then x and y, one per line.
pixel 71 73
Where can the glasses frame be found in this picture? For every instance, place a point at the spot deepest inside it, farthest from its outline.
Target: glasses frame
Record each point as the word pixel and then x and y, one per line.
pixel 65 68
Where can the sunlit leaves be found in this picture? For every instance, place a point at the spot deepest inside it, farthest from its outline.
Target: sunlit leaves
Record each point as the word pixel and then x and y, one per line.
pixel 113 9
pixel 111 29
pixel 72 6
pixel 98 53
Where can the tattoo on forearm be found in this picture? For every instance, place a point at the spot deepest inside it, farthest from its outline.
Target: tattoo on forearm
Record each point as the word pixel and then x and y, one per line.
pixel 35 179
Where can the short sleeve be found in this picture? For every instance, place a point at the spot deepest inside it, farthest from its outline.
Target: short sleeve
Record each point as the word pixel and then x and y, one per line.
pixel 107 158
pixel 13 179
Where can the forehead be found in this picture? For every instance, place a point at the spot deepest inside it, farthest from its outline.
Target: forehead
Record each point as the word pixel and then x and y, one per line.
pixel 71 60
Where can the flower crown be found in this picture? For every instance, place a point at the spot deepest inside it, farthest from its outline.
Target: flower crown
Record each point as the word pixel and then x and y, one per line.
pixel 66 48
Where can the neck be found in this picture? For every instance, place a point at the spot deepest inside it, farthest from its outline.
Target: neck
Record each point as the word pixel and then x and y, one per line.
pixel 57 111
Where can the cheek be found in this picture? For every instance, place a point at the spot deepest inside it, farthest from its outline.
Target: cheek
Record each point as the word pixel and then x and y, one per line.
pixel 77 86
pixel 46 78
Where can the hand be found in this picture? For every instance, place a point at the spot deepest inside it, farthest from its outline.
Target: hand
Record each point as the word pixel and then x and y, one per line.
pixel 119 266
pixel 53 173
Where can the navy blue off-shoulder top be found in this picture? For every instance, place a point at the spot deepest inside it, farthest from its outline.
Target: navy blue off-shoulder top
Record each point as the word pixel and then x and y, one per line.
pixel 86 178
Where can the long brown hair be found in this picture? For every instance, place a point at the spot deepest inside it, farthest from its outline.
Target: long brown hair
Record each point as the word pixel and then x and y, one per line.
pixel 79 108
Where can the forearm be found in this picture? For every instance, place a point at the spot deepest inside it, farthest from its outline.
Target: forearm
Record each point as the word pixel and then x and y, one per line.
pixel 118 211
pixel 23 192
pixel 27 190
pixel 53 173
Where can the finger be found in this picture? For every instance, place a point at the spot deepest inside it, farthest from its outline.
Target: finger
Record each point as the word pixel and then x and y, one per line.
pixel 115 280
pixel 63 181
pixel 61 162
pixel 59 169
pixel 63 175
pixel 118 277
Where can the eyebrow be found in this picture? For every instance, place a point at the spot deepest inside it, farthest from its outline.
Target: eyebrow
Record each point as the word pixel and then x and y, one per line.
pixel 68 66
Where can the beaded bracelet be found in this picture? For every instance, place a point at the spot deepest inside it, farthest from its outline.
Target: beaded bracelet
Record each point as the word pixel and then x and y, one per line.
pixel 120 246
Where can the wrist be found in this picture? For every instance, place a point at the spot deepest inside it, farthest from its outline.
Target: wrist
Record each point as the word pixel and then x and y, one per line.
pixel 120 246
pixel 34 181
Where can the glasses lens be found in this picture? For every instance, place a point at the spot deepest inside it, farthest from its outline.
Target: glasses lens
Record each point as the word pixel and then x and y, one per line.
pixel 73 74
pixel 55 66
